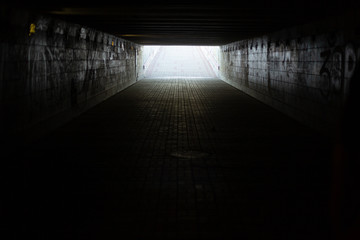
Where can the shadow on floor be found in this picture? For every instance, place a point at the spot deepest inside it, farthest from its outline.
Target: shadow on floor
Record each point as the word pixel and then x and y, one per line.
pixel 173 159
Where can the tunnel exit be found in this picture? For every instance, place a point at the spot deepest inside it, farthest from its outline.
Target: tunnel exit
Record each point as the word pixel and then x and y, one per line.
pixel 180 61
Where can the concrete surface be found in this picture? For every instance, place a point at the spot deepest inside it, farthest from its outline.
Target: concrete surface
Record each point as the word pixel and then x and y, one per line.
pixel 172 159
pixel 304 71
pixel 56 72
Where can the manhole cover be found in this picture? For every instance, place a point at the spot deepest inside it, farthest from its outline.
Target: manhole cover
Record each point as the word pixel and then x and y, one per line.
pixel 190 154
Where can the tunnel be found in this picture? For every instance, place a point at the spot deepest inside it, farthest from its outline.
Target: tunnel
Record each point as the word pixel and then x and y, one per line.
pixel 180 120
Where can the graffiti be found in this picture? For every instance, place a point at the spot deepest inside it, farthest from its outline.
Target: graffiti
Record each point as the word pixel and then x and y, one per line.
pixel 49 67
pixel 337 70
pixel 89 69
pixel 281 64
pixel 39 57
pixel 350 63
pixel 32 29
pixel 331 72
pixel 290 63
pixel 68 63
pixel 82 33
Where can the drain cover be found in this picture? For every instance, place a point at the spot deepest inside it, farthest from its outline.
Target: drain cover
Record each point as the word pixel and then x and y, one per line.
pixel 190 154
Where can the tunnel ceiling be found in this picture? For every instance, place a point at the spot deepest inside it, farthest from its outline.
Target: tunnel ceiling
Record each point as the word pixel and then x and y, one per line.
pixel 191 23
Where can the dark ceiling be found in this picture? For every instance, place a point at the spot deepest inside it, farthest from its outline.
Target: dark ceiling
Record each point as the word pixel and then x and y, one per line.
pixel 196 23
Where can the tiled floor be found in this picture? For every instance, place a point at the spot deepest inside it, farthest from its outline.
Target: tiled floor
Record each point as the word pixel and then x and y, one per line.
pixel 177 159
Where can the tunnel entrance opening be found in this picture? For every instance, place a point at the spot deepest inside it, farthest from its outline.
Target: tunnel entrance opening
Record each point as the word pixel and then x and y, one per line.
pixel 180 61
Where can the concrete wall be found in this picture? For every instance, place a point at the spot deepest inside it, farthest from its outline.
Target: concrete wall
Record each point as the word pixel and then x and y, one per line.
pixel 148 53
pixel 211 54
pixel 55 73
pixel 304 71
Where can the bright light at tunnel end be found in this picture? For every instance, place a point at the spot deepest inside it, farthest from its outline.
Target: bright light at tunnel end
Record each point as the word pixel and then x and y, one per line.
pixel 180 61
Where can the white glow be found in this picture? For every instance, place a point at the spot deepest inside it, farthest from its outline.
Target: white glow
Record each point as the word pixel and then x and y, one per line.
pixel 180 61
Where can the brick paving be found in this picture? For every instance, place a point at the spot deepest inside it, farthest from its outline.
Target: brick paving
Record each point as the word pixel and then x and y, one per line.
pixel 177 159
